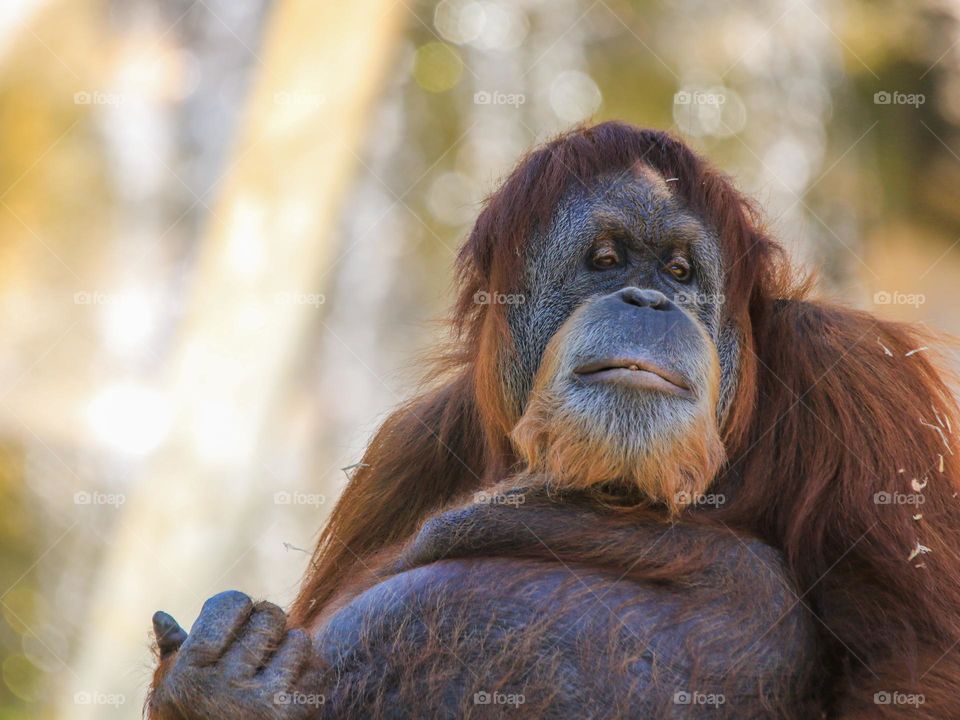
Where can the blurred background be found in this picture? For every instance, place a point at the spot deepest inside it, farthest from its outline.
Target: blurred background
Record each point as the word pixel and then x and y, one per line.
pixel 226 227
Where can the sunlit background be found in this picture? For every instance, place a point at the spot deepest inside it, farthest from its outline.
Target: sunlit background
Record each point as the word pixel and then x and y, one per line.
pixel 227 225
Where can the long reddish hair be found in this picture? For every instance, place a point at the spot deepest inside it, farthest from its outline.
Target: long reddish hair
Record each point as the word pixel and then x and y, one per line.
pixel 832 407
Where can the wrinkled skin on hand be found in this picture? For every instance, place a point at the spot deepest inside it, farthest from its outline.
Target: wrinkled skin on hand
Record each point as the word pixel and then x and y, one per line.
pixel 239 660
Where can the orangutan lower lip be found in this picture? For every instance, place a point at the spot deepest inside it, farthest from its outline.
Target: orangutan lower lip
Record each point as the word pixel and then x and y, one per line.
pixel 633 371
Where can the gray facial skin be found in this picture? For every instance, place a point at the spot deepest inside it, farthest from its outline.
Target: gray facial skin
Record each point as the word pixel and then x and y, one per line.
pixel 647 222
pixel 631 365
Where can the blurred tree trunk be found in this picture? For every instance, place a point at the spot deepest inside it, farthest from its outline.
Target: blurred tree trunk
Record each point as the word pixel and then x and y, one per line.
pixel 253 298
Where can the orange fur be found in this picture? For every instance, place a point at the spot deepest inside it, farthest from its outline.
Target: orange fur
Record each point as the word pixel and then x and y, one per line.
pixel 829 409
pixel 673 473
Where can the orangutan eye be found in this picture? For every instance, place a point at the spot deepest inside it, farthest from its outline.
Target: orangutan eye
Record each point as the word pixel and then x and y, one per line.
pixel 604 256
pixel 679 267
